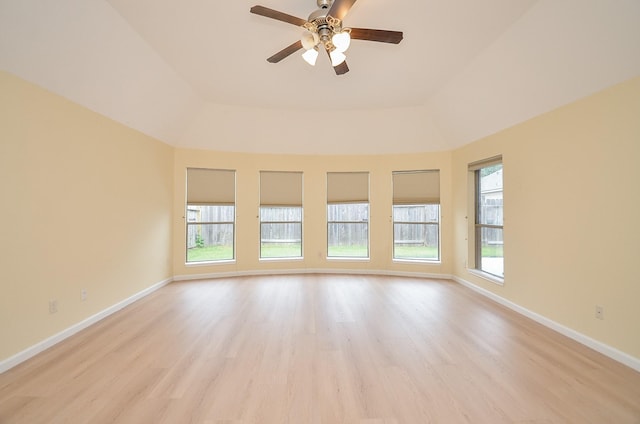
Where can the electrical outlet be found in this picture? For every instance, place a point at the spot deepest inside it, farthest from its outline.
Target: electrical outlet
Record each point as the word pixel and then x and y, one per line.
pixel 53 306
pixel 599 312
pixel 83 294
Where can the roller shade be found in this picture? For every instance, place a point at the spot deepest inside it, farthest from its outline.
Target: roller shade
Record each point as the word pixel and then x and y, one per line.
pixel 280 188
pixel 347 187
pixel 416 187
pixel 496 160
pixel 211 186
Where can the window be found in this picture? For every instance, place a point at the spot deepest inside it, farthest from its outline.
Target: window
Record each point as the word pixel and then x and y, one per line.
pixel 280 214
pixel 210 215
pixel 348 214
pixel 416 215
pixel 488 223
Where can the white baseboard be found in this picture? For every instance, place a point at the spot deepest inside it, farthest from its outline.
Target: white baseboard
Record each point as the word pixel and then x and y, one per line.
pixel 57 338
pixel 611 352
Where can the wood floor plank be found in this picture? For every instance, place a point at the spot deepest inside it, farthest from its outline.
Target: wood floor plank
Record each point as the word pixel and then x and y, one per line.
pixel 318 349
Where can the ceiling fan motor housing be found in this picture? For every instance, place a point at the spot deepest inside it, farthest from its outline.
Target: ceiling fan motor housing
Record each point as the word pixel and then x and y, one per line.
pixel 322 26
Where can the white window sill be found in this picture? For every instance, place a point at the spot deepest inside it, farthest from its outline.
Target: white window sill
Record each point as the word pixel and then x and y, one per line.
pixel 489 277
pixel 294 259
pixel 417 261
pixel 210 263
pixel 347 259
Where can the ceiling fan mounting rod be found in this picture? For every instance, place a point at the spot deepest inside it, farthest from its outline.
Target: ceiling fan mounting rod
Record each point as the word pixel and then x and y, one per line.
pixel 323 25
pixel 324 32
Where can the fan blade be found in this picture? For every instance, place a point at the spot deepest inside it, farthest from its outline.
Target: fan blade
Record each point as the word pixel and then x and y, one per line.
pixel 274 14
pixel 340 69
pixel 381 35
pixel 340 8
pixel 286 52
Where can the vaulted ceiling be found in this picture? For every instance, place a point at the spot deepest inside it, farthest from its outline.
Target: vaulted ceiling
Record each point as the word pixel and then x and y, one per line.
pixel 193 73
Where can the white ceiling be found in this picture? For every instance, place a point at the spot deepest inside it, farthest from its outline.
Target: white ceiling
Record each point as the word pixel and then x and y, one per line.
pixel 193 73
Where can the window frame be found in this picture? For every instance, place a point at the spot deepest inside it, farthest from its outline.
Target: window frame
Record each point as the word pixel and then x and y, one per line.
pixel 477 227
pixel 424 223
pixel 200 195
pixel 348 188
pixel 202 223
pixel 281 190
pixel 416 188
pixel 339 222
pixel 299 222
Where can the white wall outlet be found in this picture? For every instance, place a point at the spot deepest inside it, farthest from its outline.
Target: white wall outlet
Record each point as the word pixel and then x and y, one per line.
pixel 83 294
pixel 53 306
pixel 599 312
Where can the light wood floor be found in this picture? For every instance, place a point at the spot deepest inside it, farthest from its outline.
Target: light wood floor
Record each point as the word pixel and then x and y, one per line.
pixel 318 349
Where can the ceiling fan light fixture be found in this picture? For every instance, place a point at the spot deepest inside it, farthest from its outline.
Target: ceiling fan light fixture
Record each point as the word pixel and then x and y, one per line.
pixel 310 56
pixel 309 40
pixel 337 58
pixel 341 40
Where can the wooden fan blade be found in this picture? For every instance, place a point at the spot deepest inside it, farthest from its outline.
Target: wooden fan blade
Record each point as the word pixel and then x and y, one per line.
pixel 340 8
pixel 274 14
pixel 381 35
pixel 340 69
pixel 286 52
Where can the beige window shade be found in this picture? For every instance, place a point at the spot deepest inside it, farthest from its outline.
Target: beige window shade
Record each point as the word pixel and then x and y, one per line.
pixel 280 188
pixel 210 186
pixel 496 160
pixel 347 187
pixel 416 187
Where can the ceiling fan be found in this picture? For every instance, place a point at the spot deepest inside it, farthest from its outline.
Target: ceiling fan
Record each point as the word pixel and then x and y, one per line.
pixel 324 31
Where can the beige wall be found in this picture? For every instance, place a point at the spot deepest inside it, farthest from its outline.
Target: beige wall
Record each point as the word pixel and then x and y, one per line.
pixel 314 168
pixel 86 203
pixel 572 203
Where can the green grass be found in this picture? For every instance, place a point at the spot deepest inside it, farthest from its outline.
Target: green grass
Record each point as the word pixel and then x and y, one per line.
pixel 354 251
pixel 218 253
pixel 292 250
pixel 280 250
pixel 493 251
pixel 209 253
pixel 415 252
